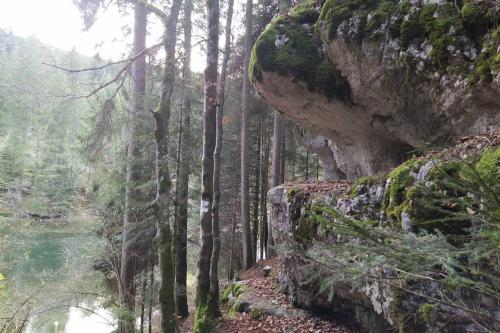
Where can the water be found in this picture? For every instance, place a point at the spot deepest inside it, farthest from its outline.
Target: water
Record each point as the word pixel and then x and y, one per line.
pixel 52 264
pixel 76 320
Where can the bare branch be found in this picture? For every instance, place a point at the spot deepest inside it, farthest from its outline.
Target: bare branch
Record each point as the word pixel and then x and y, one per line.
pixel 131 59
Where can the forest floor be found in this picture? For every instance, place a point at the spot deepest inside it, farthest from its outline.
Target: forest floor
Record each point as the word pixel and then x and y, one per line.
pixel 264 292
pixel 286 318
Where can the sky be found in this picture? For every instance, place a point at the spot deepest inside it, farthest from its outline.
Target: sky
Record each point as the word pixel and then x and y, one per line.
pixel 58 23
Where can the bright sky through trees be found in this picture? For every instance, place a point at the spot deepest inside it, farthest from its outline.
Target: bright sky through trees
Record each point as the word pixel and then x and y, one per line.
pixel 58 23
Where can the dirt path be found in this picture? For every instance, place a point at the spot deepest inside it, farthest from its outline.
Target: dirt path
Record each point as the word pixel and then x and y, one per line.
pixel 276 313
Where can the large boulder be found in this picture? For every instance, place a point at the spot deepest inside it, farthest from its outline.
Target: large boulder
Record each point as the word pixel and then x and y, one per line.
pixel 380 78
pixel 417 197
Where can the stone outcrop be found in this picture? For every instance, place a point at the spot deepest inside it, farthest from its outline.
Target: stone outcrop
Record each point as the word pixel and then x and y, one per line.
pixel 417 196
pixel 380 78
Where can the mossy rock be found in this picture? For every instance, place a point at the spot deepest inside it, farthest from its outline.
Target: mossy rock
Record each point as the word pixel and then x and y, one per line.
pixel 290 46
pixel 447 29
pixel 366 181
pixel 397 198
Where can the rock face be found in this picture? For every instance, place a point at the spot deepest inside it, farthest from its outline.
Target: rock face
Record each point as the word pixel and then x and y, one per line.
pixel 393 200
pixel 382 77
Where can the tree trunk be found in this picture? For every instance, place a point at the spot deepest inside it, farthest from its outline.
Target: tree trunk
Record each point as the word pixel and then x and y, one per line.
pixel 184 171
pixel 230 275
pixel 275 171
pixel 214 266
pixel 255 208
pixel 143 298
pixel 263 166
pixel 245 111
pixel 203 321
pixel 163 182
pixel 151 293
pixel 128 263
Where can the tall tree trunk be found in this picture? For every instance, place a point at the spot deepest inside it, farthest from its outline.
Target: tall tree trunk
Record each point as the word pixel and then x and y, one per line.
pixel 230 275
pixel 163 181
pixel 214 266
pixel 203 322
pixel 245 112
pixel 151 293
pixel 143 298
pixel 275 172
pixel 184 171
pixel 128 263
pixel 263 166
pixel 255 208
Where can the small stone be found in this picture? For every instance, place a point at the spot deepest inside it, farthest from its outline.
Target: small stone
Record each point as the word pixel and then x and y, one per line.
pixel 266 271
pixel 405 221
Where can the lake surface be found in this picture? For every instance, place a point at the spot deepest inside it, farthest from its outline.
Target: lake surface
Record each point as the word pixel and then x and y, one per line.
pixel 52 266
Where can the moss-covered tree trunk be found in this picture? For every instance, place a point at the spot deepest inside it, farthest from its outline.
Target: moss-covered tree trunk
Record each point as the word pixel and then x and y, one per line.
pixel 132 174
pixel 184 171
pixel 163 182
pixel 214 266
pixel 203 321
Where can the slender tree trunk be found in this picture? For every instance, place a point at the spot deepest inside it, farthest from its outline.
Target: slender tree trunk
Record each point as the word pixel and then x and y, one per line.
pixel 143 298
pixel 184 171
pixel 151 295
pixel 127 267
pixel 214 266
pixel 163 181
pixel 245 112
pixel 263 166
pixel 230 276
pixel 203 322
pixel 255 208
pixel 275 171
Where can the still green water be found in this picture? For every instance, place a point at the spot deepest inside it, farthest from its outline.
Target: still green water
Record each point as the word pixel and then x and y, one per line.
pixel 51 265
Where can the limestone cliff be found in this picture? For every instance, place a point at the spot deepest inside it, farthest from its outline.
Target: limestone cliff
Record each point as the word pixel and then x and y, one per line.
pixel 382 77
pixel 437 208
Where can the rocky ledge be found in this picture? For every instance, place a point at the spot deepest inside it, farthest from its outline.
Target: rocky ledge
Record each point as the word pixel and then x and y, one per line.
pixel 380 78
pixel 424 198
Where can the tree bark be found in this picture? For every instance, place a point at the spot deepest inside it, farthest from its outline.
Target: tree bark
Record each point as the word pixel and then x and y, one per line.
pixel 275 171
pixel 257 194
pixel 128 262
pixel 151 293
pixel 184 171
pixel 245 111
pixel 214 266
pixel 230 275
pixel 203 321
pixel 163 181
pixel 263 170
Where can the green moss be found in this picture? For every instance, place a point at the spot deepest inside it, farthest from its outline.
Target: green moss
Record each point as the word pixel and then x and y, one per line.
pixel 488 166
pixel 381 14
pixel 397 199
pixel 471 13
pixel 202 322
pixel 289 46
pixel 233 289
pixel 426 312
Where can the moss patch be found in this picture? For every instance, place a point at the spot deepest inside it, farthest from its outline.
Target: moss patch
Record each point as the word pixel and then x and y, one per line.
pixel 442 26
pixel 289 46
pixel 397 199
